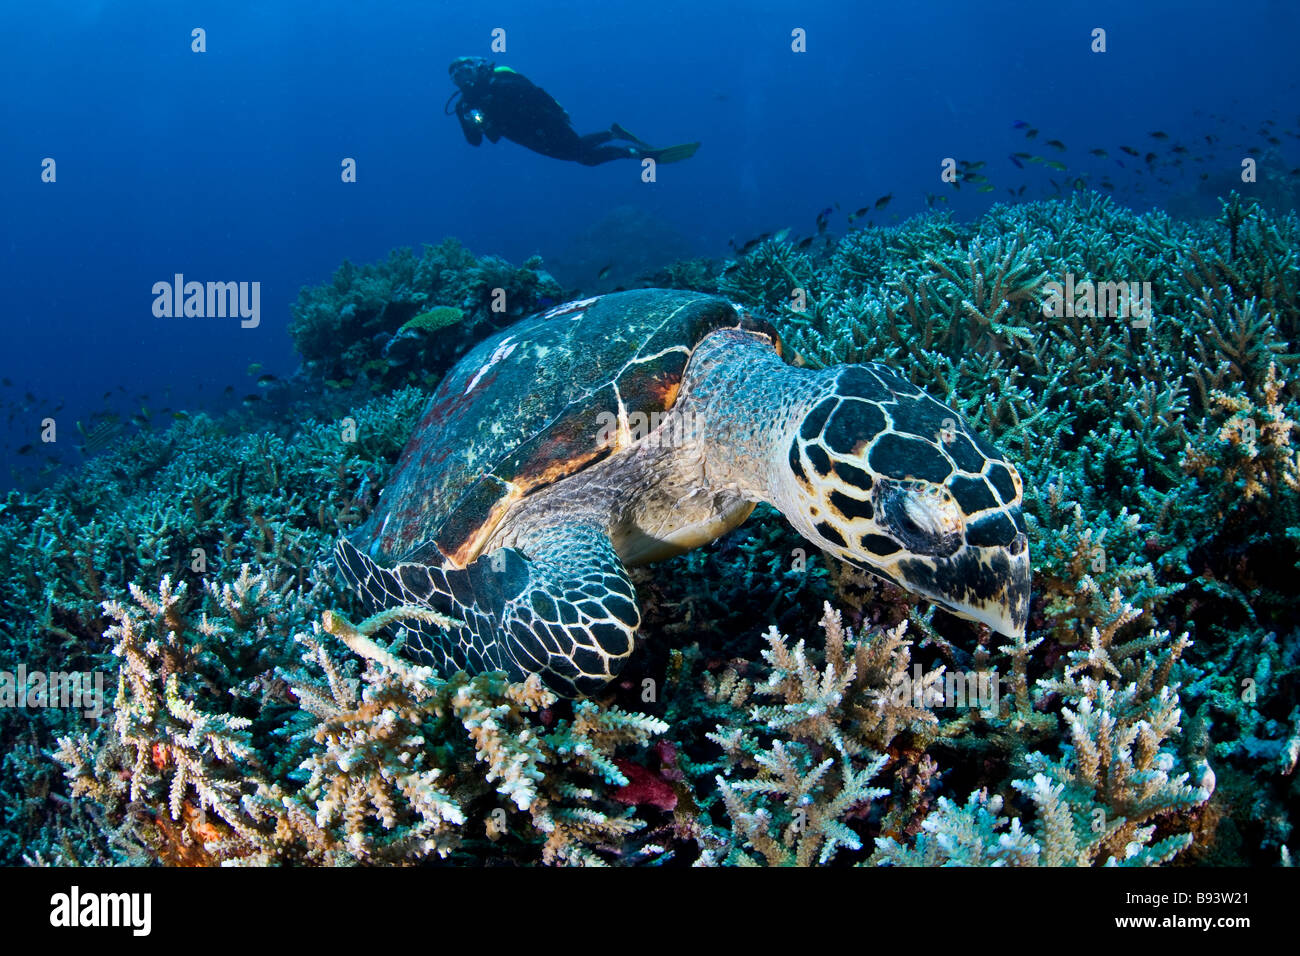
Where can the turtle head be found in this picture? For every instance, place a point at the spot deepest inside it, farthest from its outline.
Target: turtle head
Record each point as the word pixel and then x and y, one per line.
pixel 888 479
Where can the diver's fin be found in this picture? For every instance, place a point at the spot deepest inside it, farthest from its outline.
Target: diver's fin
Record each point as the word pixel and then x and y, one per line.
pixel 672 154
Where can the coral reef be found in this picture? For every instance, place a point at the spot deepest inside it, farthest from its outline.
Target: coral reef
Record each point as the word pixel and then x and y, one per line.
pixel 783 709
pixel 380 324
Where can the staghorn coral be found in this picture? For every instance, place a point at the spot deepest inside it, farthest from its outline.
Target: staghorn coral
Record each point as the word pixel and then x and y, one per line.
pixel 1161 500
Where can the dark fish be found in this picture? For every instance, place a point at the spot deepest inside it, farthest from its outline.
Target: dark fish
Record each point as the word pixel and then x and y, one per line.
pixel 230 390
pixel 29 396
pixel 1031 133
pixel 606 270
pixel 1056 144
pixel 859 213
pixel 25 450
pixel 251 400
pixel 822 217
pixel 1019 124
pixel 1019 164
pixel 1098 152
pixel 1178 149
pixel 1158 134
pixel 1130 150
pixel 1020 191
pixel 6 382
pixel 1150 158
pixel 883 201
pixel 107 395
pixel 1020 155
pixel 804 243
pixel 979 165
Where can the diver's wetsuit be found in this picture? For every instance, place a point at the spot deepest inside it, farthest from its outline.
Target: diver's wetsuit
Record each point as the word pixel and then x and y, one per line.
pixel 497 102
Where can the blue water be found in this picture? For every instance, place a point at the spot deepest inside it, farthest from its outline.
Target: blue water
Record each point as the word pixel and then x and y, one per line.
pixel 225 165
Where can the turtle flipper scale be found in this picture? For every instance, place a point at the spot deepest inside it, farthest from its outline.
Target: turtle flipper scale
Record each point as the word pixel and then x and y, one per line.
pixel 566 611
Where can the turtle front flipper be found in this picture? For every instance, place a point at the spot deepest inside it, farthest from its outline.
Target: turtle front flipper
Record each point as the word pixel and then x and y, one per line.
pixel 562 608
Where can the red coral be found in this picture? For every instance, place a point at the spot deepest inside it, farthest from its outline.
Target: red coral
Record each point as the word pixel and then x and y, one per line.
pixel 644 787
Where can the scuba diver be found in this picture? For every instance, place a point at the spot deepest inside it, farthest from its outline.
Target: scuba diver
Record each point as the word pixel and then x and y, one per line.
pixel 497 102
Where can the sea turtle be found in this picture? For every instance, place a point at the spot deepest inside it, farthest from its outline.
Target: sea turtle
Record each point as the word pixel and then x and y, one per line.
pixel 631 427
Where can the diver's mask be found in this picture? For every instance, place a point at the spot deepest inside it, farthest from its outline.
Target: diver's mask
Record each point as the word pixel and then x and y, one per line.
pixel 468 71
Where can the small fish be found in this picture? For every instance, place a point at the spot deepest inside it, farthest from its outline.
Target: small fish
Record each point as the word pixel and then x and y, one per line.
pixel 979 165
pixel 1150 158
pixel 230 390
pixel 1031 133
pixel 1020 191
pixel 804 243
pixel 265 381
pixel 883 201
pixel 1035 160
pixel 781 235
pixel 822 218
pixel 1019 164
pixel 7 383
pixel 605 270
pixel 1159 134
pixel 1019 124
pixel 1130 150
pixel 859 213
pixel 251 400
pixel 254 368
pixel 987 188
pixel 1101 153
pixel 1107 184
pixel 1056 144
pixel 1058 166
pixel 25 450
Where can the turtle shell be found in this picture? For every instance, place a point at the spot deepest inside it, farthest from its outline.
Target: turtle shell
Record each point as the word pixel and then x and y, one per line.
pixel 531 406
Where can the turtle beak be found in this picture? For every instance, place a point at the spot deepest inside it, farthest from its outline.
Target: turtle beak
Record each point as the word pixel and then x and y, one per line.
pixel 989 585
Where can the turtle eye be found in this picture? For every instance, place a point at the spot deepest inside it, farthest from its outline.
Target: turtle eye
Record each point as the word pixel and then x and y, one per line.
pixel 924 520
